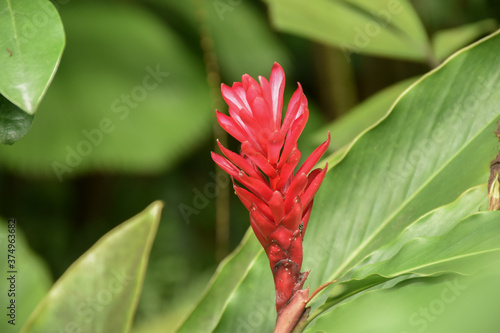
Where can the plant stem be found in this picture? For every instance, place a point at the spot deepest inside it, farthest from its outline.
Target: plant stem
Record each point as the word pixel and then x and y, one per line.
pixel 320 288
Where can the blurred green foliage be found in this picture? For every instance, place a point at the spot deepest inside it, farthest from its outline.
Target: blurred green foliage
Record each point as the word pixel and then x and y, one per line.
pixel 105 143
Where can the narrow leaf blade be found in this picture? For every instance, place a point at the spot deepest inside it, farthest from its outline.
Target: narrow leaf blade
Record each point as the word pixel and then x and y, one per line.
pixel 436 143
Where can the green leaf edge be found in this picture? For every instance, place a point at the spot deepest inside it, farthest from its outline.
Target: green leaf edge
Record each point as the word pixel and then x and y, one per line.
pixel 338 156
pixel 484 26
pixel 153 209
pixel 54 70
pixel 247 238
pixel 465 270
pixel 328 303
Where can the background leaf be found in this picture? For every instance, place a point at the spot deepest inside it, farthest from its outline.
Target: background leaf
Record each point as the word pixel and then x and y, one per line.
pixel 383 27
pixel 429 152
pixel 100 291
pixel 445 42
pixel 31 46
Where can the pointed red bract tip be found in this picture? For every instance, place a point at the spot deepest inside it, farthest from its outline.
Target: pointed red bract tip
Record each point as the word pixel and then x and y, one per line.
pixel 279 201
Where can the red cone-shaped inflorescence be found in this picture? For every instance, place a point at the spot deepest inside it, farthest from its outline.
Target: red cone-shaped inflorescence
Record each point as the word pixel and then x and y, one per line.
pixel 279 200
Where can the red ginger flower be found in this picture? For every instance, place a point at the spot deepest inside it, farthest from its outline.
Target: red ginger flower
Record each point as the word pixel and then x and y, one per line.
pixel 278 200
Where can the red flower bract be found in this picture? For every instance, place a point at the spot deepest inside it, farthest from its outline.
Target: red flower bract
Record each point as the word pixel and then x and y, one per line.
pixel 278 200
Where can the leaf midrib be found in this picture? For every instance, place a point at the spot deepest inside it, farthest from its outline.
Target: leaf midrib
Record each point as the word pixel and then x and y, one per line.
pixel 216 320
pixel 403 205
pixel 391 217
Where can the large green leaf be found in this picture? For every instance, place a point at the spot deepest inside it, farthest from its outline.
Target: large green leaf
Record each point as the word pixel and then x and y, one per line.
pixel 364 115
pixel 129 96
pixel 31 280
pixel 99 292
pixel 432 245
pixel 435 144
pixel 436 223
pixel 31 45
pixel 382 27
pixel 243 41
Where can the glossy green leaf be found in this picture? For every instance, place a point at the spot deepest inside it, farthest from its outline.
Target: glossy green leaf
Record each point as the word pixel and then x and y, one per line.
pixel 99 292
pixel 31 46
pixel 129 96
pixel 362 116
pixel 14 122
pixel 433 244
pixel 31 281
pixel 436 223
pixel 383 27
pixel 445 42
pixel 436 143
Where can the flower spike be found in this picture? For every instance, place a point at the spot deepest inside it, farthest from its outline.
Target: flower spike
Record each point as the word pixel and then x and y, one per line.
pixel 279 201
